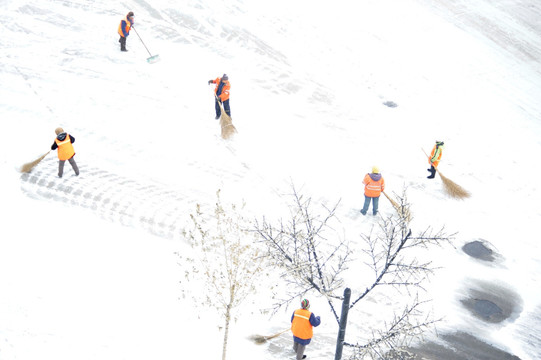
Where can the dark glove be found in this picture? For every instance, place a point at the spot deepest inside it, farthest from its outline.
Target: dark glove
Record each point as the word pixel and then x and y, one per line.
pixel 210 82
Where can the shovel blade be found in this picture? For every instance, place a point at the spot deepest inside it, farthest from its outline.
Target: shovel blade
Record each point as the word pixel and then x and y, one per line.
pixel 153 59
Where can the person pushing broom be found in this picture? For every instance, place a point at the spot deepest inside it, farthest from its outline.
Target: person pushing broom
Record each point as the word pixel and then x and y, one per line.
pixel 221 93
pixel 434 159
pixel 302 322
pixel 63 143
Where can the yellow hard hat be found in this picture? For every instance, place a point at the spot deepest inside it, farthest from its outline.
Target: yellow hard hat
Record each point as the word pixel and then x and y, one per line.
pixel 375 169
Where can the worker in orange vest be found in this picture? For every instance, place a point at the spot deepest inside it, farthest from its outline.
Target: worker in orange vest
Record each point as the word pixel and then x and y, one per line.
pixel 63 143
pixel 373 186
pixel 124 30
pixel 434 158
pixel 302 322
pixel 222 95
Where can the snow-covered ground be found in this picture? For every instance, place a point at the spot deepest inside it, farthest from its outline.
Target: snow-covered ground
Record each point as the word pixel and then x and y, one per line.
pixel 89 266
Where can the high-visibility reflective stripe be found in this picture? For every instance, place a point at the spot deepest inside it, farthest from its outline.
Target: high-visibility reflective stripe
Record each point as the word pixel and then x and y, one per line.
pixel 300 326
pixel 302 317
pixel 65 141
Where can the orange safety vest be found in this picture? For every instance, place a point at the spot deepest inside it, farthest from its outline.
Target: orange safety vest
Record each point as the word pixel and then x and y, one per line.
pixel 373 188
pixel 65 148
pixel 300 326
pixel 225 90
pixel 438 156
pixel 127 29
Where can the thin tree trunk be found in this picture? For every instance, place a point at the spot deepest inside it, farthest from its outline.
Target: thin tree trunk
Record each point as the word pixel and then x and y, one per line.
pixel 226 331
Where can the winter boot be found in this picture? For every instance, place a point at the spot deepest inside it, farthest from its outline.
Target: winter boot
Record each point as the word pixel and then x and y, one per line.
pixel 432 173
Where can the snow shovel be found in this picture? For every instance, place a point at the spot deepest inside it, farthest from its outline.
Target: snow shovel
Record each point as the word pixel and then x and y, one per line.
pixel 153 58
pixel 260 339
pixel 26 168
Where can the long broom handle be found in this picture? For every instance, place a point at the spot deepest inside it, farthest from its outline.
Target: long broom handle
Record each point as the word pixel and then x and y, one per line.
pixel 277 334
pixel 428 157
pixel 395 205
pixel 219 102
pixel 141 40
pixel 217 98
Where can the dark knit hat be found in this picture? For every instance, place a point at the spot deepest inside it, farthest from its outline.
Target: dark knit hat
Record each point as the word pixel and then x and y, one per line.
pixel 130 14
pixel 58 130
pixel 225 77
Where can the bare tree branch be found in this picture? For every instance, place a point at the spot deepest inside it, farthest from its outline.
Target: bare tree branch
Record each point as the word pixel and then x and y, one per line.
pixel 308 259
pixel 313 261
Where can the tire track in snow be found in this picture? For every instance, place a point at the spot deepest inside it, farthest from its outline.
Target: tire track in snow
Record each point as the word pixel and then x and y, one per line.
pixel 160 210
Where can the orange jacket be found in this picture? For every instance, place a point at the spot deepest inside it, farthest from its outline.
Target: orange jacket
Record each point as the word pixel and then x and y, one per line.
pixel 127 26
pixel 373 185
pixel 435 156
pixel 300 326
pixel 65 148
pixel 224 95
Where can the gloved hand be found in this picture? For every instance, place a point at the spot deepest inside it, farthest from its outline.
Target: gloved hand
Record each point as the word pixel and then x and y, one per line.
pixel 210 82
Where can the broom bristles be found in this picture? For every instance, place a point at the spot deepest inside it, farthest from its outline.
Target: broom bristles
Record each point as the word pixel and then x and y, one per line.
pixel 453 189
pixel 29 166
pixel 228 129
pixel 260 339
pixel 401 210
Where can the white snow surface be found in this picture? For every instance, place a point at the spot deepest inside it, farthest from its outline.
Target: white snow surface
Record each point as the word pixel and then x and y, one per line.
pixel 88 272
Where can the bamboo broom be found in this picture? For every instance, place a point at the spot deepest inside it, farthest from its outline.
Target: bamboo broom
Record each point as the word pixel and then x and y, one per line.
pixel 228 129
pixel 451 188
pixel 402 211
pixel 261 339
pixel 26 168
pixel 395 204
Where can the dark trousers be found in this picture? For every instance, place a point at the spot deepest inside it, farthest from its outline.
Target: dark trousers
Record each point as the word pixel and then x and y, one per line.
pixel 72 163
pixel 375 204
pixel 432 172
pixel 122 42
pixel 226 108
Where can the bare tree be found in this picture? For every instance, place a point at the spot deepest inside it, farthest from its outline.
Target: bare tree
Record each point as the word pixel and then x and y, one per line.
pixel 228 260
pixel 309 260
pixel 312 264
